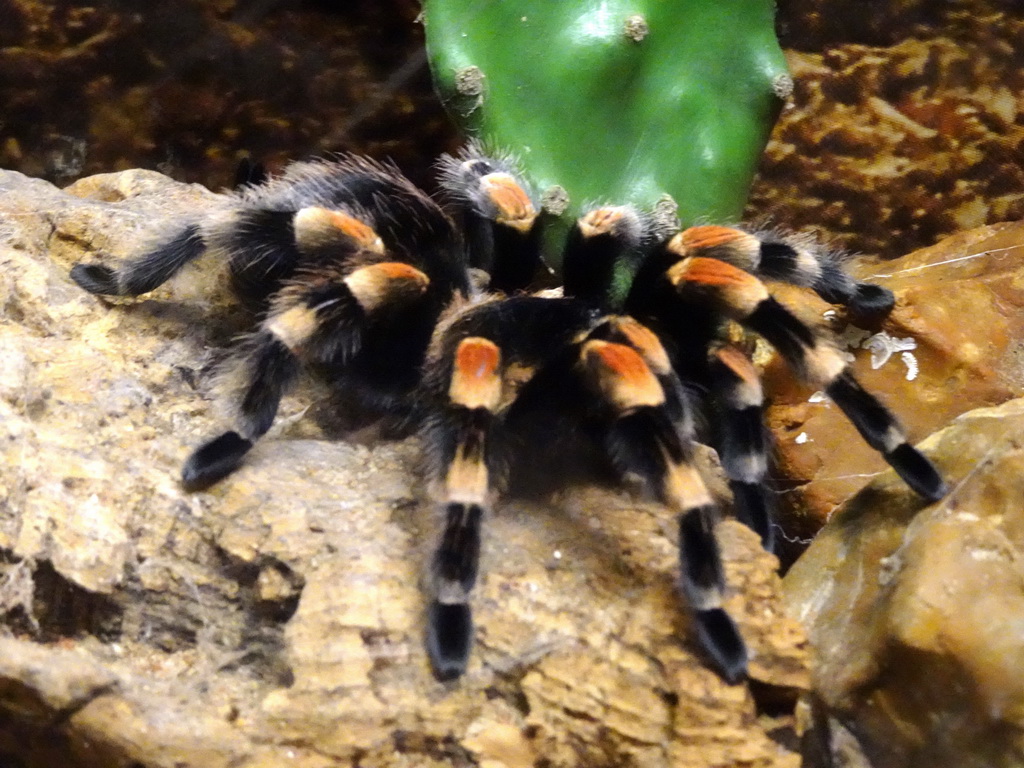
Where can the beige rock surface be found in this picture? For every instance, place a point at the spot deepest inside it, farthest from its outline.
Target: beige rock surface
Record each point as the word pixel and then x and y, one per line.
pixel 916 616
pixel 954 342
pixel 277 619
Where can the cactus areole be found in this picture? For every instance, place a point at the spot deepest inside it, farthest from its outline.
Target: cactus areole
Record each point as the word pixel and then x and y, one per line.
pixel 616 101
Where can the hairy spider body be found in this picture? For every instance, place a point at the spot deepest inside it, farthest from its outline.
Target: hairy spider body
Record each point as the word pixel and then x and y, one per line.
pixel 356 272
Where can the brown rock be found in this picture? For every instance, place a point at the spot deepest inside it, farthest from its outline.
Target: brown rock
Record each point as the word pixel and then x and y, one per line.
pixel 960 305
pixel 914 614
pixel 905 122
pixel 277 619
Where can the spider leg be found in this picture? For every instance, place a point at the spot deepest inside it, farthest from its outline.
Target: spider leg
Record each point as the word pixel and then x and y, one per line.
pixel 462 438
pixel 249 173
pixel 499 219
pixel 623 329
pixel 145 273
pixel 602 253
pixel 786 259
pixel 487 364
pixel 742 438
pixel 642 440
pixel 322 318
pixel 264 247
pixel 742 297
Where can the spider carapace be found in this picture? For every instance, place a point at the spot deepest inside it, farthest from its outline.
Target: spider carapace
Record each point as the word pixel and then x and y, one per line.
pixel 422 313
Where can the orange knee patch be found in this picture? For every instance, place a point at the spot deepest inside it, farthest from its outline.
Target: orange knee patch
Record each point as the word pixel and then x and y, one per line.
pixel 621 375
pixel 722 242
pixel 358 231
pixel 737 293
pixel 321 226
pixel 601 221
pixel 515 208
pixel 388 282
pixel 747 390
pixel 644 341
pixel 476 376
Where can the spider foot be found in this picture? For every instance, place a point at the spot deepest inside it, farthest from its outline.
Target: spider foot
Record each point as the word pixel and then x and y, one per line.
pixel 880 430
pixel 449 638
pixel 918 472
pixel 96 278
pixel 214 460
pixel 752 507
pixel 870 301
pixel 719 636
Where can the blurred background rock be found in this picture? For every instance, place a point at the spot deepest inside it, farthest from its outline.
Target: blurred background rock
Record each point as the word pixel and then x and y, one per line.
pixel 189 87
pixel 906 123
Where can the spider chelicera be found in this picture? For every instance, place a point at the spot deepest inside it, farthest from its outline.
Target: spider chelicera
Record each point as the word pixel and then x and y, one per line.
pixel 424 316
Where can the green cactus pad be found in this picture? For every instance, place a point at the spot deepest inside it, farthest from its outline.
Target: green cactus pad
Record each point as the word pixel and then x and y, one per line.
pixel 617 100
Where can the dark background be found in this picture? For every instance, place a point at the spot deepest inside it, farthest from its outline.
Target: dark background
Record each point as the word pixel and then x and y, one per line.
pixel 907 121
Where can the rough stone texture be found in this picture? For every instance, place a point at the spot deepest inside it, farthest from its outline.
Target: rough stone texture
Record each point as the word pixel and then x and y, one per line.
pixel 906 122
pixel 915 615
pixel 960 304
pixel 277 619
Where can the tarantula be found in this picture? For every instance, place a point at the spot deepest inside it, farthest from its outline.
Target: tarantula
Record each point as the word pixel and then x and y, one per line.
pixel 356 272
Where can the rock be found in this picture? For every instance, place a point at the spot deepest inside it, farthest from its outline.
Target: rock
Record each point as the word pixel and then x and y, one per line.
pixel 954 342
pixel 905 124
pixel 915 613
pixel 278 618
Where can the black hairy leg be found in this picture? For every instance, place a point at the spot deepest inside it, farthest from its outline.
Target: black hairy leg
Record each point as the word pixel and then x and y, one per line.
pixel 465 425
pixel 788 259
pixel 602 252
pixel 643 441
pixel 480 357
pixel 740 296
pixel 145 273
pixel 325 318
pixel 741 438
pixel 249 173
pixel 499 218
pixel 449 638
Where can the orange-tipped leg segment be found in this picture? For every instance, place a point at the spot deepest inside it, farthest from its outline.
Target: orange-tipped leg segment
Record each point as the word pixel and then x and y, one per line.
pixel 513 207
pixel 742 440
pixel 742 297
pixel 643 441
pixel 462 438
pixel 733 246
pixel 320 228
pixel 379 286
